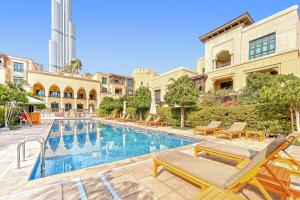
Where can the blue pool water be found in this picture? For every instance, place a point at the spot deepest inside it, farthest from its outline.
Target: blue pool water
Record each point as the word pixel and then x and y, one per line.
pixel 74 144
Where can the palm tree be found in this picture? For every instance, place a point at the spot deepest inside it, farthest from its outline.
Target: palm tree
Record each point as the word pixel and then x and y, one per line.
pixel 74 66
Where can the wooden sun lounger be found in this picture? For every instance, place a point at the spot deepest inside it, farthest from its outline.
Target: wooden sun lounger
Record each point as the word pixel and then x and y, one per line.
pixel 154 122
pixel 110 117
pixel 236 129
pixel 207 173
pixel 243 155
pixel 212 127
pixel 149 117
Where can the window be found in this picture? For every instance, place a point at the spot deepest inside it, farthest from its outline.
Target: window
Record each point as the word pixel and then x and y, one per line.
pixel 18 67
pixel 40 93
pixel 129 83
pixel 80 96
pixel 18 79
pixel 54 106
pixel 226 85
pixel 104 80
pixel 68 106
pixel 118 91
pixel 79 106
pixel 68 95
pixel 92 97
pixel 157 96
pixel 103 90
pixel 262 46
pixel 54 94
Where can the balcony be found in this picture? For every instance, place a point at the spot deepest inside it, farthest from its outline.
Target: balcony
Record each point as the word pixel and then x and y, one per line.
pixel 221 65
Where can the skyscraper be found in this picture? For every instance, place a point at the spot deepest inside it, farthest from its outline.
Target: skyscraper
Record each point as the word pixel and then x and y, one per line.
pixel 62 42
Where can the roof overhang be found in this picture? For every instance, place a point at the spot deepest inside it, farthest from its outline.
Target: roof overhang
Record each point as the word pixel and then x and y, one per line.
pixel 245 19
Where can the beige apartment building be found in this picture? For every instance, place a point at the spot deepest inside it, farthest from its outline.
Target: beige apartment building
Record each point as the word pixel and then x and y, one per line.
pixel 62 90
pixel 242 46
pixel 158 83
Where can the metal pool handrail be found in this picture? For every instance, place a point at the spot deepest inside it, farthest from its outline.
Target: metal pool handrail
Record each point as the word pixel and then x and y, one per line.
pixel 41 141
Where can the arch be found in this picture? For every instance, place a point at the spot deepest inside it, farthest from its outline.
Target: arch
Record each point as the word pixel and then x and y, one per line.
pixel 93 95
pixel 81 94
pixel 54 91
pixel 223 58
pixel 68 92
pixel 38 89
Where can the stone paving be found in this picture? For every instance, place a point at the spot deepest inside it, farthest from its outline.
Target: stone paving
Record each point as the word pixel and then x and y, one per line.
pixel 128 179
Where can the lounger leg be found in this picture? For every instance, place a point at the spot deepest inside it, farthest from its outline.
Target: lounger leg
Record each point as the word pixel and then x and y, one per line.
pixel 261 188
pixel 195 152
pixel 155 168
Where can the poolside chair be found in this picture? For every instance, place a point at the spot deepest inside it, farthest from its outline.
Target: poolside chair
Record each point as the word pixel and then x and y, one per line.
pixel 236 129
pixel 122 118
pixel 207 173
pixel 212 127
pixel 112 116
pixel 149 117
pixel 154 122
pixel 243 155
pixel 126 119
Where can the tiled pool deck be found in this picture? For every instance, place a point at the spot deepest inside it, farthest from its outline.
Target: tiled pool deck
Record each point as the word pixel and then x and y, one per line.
pixel 127 179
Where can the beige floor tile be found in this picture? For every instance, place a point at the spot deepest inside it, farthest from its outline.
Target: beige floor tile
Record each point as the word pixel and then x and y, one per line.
pixel 144 194
pixel 175 183
pixel 172 196
pixel 188 191
pixel 116 173
pixel 158 188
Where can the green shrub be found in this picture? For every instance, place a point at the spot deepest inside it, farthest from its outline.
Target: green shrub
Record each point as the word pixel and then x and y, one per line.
pixel 133 112
pixel 2 117
pixel 270 118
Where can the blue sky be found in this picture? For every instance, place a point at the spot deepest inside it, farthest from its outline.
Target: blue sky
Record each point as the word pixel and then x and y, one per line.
pixel 119 35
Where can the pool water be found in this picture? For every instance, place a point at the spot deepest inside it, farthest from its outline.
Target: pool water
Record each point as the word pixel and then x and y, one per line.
pixel 77 144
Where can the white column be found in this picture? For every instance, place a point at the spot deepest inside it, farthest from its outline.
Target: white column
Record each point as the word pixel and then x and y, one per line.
pixel 61 102
pixel 87 103
pixel 231 59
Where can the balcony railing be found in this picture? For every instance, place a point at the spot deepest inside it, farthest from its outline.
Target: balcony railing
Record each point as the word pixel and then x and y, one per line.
pixel 220 65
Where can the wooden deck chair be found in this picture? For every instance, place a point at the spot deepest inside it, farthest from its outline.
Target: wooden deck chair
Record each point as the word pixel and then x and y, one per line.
pixel 149 117
pixel 212 127
pixel 213 193
pixel 111 116
pixel 154 122
pixel 128 118
pixel 236 129
pixel 206 173
pixel 243 155
pixel 122 118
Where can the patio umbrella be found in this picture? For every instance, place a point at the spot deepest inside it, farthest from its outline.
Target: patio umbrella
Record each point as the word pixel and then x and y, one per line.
pixel 153 106
pixel 124 108
pixel 33 101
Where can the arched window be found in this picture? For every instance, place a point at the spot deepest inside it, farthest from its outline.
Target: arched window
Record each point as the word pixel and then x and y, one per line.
pixel 223 59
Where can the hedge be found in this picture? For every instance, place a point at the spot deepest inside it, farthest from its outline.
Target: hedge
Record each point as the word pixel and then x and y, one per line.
pixel 2 117
pixel 271 118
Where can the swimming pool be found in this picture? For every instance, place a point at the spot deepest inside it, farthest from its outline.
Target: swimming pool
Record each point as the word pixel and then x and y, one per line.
pixel 77 144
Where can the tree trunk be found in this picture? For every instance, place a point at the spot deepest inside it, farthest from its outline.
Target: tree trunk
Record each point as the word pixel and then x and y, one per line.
pixel 297 113
pixel 182 116
pixel 292 118
pixel 141 116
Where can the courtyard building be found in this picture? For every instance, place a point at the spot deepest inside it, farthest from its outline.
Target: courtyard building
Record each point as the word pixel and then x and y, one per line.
pixel 241 47
pixel 158 83
pixel 63 91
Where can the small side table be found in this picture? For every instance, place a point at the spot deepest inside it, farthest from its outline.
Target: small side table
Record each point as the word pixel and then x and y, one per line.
pixel 162 123
pixel 260 135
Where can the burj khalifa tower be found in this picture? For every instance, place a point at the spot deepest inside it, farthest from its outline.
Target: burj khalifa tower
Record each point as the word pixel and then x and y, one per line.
pixel 62 42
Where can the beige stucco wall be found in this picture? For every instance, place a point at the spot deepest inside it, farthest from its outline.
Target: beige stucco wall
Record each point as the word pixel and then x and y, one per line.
pixel 2 75
pixel 162 81
pixel 143 76
pixel 285 63
pixel 62 82
pixel 200 65
pixel 285 24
